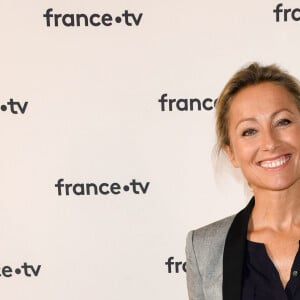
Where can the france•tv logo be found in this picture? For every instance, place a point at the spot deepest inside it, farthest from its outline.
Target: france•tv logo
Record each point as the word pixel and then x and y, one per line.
pixel 14 107
pixel 286 14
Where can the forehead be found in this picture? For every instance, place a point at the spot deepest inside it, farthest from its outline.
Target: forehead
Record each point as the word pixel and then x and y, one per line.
pixel 266 97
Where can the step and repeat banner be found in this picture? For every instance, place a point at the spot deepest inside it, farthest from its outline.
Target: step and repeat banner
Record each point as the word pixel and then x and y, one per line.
pixel 107 137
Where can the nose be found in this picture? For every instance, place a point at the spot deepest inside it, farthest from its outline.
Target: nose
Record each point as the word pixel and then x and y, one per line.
pixel 269 140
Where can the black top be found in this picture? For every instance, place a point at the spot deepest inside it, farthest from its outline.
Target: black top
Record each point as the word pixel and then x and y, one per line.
pixel 261 280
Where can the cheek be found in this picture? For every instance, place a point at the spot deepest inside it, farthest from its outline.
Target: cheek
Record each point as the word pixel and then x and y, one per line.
pixel 291 138
pixel 243 153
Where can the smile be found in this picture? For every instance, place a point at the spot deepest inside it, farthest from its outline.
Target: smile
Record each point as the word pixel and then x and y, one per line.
pixel 275 163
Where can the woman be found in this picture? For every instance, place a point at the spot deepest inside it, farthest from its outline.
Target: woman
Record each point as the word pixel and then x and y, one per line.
pixel 254 254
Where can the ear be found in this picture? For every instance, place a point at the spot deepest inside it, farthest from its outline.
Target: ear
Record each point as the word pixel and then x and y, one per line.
pixel 231 156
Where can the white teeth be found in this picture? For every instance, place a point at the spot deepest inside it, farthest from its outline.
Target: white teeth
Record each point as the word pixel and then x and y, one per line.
pixel 275 163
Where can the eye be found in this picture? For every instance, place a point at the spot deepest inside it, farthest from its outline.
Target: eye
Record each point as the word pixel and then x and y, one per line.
pixel 283 122
pixel 249 132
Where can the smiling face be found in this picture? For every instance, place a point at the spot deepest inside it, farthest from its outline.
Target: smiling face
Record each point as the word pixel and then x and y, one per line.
pixel 264 134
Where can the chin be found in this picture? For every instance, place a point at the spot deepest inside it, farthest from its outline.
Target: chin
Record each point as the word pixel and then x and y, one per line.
pixel 275 186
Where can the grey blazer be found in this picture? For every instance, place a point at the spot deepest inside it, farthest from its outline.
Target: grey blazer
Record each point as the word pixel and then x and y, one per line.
pixel 214 258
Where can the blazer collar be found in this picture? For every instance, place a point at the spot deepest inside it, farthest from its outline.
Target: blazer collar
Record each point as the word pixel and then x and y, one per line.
pixel 233 258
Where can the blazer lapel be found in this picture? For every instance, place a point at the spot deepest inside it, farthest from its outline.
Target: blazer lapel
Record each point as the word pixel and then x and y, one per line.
pixel 233 257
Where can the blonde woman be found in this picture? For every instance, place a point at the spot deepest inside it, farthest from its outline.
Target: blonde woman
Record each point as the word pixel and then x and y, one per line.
pixel 255 253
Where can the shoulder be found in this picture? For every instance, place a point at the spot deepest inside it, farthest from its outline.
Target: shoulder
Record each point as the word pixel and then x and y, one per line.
pixel 211 232
pixel 204 253
pixel 208 241
pixel 216 232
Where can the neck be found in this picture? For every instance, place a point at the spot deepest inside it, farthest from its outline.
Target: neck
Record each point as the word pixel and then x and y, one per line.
pixel 278 210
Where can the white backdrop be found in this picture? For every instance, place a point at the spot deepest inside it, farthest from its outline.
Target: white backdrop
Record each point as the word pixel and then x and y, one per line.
pixel 85 108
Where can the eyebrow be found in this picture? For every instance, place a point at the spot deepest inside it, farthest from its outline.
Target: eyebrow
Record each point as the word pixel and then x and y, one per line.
pixel 272 116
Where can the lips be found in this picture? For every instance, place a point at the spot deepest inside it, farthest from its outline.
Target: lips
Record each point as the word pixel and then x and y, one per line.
pixel 276 162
